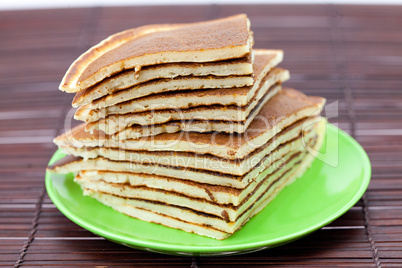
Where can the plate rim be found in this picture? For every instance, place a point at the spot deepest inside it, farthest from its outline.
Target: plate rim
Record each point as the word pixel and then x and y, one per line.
pixel 218 249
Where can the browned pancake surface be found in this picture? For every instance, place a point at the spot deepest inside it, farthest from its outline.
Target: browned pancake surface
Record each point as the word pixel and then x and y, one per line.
pixel 215 34
pixel 282 105
pixel 84 93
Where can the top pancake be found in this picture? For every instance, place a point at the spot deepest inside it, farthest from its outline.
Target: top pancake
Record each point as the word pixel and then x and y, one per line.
pixel 220 39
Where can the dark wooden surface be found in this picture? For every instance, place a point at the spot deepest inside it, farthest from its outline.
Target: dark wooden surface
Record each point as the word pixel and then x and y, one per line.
pixel 351 55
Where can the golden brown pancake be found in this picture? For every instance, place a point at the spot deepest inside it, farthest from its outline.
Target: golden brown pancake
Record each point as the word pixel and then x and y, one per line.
pixel 213 193
pixel 230 101
pixel 222 213
pixel 129 78
pixel 73 164
pixel 185 130
pixel 219 195
pixel 285 141
pixel 168 84
pixel 234 117
pixel 189 220
pixel 193 215
pixel 141 98
pixel 228 38
pixel 284 109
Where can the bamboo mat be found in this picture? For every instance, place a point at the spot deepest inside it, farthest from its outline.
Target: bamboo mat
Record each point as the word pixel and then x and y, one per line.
pixel 351 55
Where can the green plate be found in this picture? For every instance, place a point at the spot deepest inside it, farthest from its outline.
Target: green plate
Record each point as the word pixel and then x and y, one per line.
pixel 336 180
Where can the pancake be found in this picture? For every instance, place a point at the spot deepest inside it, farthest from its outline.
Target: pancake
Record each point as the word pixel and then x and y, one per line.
pixel 189 220
pixel 205 228
pixel 227 212
pixel 284 109
pixel 171 84
pixel 224 194
pixel 228 38
pixel 232 117
pixel 122 205
pixel 289 138
pixel 141 97
pixel 214 193
pixel 76 164
pixel 183 102
pixel 186 126
pixel 264 62
pixel 128 78
pixel 192 210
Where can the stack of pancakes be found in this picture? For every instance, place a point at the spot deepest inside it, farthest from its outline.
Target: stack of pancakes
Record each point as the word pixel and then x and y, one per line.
pixel 187 126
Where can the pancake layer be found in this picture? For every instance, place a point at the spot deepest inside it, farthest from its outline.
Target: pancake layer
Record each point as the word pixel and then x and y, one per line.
pixel 76 164
pixel 129 78
pixel 286 140
pixel 143 97
pixel 193 220
pixel 228 38
pixel 281 111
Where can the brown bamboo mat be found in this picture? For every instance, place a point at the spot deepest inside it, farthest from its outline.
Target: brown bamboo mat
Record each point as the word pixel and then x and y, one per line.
pixel 348 54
